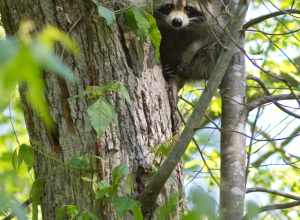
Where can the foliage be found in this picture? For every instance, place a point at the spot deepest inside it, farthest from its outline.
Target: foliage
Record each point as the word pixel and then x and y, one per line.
pixel 24 153
pixel 34 54
pixel 101 112
pixel 7 203
pixel 141 22
pixel 108 193
pixel 31 55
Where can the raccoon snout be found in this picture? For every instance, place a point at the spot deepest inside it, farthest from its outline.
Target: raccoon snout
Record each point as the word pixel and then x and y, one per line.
pixel 177 22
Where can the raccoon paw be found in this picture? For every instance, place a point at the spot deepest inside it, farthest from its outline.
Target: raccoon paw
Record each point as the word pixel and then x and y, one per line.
pixel 169 72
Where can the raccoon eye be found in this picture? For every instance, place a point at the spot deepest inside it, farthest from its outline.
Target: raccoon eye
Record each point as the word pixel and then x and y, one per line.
pixel 192 12
pixel 166 9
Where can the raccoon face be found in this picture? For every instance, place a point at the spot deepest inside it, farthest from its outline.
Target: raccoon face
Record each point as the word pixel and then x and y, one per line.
pixel 179 18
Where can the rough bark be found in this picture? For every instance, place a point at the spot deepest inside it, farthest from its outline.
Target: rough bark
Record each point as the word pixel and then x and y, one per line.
pixel 106 55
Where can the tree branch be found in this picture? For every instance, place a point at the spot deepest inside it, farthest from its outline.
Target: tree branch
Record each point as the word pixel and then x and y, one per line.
pixel 274 34
pixel 158 180
pixel 274 101
pixel 253 129
pixel 156 183
pixel 275 207
pixel 269 99
pixel 201 154
pixel 275 192
pixel 248 136
pixel 268 16
pixel 276 149
pixel 279 206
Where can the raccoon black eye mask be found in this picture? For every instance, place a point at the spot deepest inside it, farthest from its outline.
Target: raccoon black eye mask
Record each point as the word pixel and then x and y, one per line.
pixel 166 9
pixel 194 13
pixel 185 50
pixel 180 17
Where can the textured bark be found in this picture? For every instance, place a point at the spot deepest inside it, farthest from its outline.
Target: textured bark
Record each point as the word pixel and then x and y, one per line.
pixel 105 55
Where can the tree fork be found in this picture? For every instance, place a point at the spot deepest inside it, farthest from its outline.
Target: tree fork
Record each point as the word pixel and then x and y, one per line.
pixel 145 123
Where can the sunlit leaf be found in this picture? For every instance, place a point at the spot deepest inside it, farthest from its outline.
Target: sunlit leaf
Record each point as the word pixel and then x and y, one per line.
pixel 51 35
pixel 101 115
pixel 125 204
pixel 103 190
pixel 118 174
pixel 137 22
pixel 79 162
pixel 108 15
pixel 36 193
pixel 50 62
pixel 26 154
pixel 155 35
pixel 7 204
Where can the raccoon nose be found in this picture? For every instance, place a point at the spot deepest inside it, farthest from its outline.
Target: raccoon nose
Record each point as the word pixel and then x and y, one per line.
pixel 177 22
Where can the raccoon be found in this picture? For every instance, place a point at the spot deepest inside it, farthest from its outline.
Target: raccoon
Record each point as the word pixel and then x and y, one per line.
pixel 188 41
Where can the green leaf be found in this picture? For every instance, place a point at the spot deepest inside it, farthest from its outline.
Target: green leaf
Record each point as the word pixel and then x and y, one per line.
pixel 124 93
pixel 50 35
pixel 108 15
pixel 50 62
pixel 137 22
pixel 67 212
pixel 26 155
pixel 79 162
pixel 155 35
pixel 163 212
pixel 118 174
pixel 59 213
pixel 15 207
pixel 36 194
pixel 203 205
pixel 14 159
pixel 125 204
pixel 101 115
pixel 36 190
pixel 103 190
pixel 71 210
pixel 87 216
pixel 98 91
pixel 9 48
pixel 22 60
pixel 252 209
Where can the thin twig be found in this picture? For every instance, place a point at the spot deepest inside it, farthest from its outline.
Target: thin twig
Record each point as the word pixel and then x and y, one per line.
pixel 261 83
pixel 274 34
pixel 201 154
pixel 268 16
pixel 253 128
pixel 256 139
pixel 269 99
pixel 279 206
pixel 12 123
pixel 275 192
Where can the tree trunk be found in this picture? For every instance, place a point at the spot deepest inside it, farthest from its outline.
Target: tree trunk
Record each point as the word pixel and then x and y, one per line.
pixel 233 145
pixel 105 55
pixel 234 116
